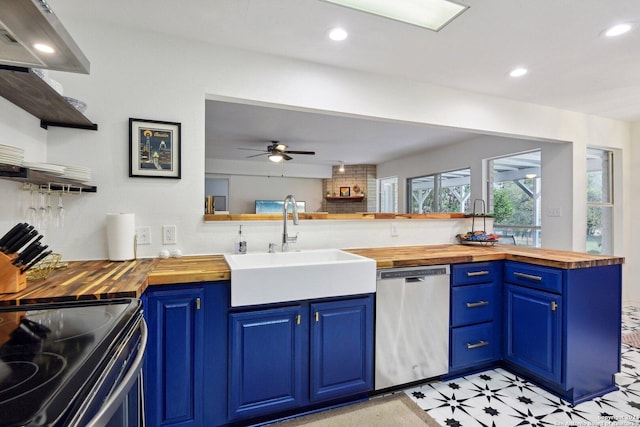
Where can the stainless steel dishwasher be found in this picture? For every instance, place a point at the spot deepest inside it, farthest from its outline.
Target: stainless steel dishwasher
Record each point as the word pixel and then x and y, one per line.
pixel 412 324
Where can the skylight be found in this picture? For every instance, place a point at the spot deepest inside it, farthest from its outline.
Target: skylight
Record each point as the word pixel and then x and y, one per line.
pixel 430 14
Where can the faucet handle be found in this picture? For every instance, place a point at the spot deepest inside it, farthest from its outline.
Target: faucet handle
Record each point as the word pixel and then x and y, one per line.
pixel 272 248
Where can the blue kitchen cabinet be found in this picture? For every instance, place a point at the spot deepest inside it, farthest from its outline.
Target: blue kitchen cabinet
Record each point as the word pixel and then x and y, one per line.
pixel 287 359
pixel 476 316
pixel 562 327
pixel 534 331
pixel 266 356
pixel 341 348
pixel 186 358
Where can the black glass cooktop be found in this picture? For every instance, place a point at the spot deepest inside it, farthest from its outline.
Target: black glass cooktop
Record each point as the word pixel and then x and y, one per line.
pixel 50 353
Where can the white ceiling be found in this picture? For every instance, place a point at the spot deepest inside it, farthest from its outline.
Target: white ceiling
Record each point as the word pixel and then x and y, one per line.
pixel 571 65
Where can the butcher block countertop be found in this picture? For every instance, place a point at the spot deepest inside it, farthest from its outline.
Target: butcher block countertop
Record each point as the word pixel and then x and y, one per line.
pixel 87 280
pixel 412 256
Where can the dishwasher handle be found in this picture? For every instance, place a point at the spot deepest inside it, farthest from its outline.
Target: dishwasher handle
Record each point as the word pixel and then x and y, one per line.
pixel 414 279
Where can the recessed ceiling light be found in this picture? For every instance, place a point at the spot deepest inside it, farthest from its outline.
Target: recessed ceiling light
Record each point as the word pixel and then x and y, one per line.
pixel 44 48
pixel 618 30
pixel 338 34
pixel 430 14
pixel 518 72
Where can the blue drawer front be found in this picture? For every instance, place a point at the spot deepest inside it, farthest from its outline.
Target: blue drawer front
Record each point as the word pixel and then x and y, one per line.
pixel 474 345
pixel 543 278
pixel 472 304
pixel 476 272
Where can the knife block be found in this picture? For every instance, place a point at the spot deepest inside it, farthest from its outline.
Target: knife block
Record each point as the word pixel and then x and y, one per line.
pixel 11 280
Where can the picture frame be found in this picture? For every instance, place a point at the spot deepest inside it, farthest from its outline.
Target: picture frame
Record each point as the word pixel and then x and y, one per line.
pixel 345 191
pixel 154 149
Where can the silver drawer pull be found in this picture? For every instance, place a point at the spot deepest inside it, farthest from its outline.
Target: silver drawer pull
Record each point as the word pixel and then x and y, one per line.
pixel 476 345
pixel 528 276
pixel 477 273
pixel 477 304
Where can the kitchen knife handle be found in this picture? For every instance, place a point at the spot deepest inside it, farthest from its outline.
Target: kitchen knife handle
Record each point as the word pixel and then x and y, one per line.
pixel 18 236
pixel 35 261
pixel 6 237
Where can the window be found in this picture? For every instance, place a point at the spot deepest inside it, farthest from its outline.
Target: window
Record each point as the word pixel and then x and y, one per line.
pixel 514 197
pixel 440 192
pixel 388 194
pixel 599 201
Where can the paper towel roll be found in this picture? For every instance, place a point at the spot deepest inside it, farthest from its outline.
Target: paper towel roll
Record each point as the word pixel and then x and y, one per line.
pixel 121 233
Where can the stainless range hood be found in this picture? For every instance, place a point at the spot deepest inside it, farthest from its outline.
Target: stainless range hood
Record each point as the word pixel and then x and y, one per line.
pixel 25 24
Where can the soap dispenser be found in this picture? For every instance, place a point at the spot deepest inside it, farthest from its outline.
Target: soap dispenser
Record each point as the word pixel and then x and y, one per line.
pixel 240 246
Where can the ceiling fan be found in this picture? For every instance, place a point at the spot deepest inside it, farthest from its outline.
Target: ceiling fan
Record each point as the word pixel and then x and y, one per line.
pixel 277 152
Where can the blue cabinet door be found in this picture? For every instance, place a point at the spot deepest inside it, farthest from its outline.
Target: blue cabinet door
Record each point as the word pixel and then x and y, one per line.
pixel 533 329
pixel 341 348
pixel 266 356
pixel 173 365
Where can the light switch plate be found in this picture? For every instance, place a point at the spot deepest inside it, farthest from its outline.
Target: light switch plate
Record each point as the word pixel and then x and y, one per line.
pixel 143 235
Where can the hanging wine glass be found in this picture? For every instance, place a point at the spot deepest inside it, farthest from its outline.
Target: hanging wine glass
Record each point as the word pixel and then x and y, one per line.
pixel 43 214
pixel 32 213
pixel 60 213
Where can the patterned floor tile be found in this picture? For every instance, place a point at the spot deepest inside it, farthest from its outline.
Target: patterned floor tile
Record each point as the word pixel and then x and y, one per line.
pixel 498 398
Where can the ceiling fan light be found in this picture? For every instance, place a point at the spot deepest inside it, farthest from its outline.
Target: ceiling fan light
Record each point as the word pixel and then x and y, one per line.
pixel 618 30
pixel 276 158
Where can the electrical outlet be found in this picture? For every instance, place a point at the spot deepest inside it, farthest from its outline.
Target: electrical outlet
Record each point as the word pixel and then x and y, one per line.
pixel 554 212
pixel 169 235
pixel 143 235
pixel 394 229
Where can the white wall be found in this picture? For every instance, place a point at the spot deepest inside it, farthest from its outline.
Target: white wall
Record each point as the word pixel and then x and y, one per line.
pixel 149 76
pixel 556 175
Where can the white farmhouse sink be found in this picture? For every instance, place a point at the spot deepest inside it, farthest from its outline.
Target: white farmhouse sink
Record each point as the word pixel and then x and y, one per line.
pixel 263 278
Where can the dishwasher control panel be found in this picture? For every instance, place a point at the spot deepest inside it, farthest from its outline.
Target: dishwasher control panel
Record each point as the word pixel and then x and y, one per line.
pixel 395 273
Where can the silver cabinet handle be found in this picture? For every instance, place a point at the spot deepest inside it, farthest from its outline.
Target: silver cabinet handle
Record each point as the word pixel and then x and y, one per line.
pixel 527 276
pixel 477 304
pixel 478 344
pixel 477 273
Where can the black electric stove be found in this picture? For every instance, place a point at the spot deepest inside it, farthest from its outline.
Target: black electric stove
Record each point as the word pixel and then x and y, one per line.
pixel 54 358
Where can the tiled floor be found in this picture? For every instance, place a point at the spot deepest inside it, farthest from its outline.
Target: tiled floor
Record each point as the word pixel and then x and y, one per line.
pixel 497 398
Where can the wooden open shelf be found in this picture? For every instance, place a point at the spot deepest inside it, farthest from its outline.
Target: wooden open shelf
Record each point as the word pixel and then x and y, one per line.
pixel 344 198
pixel 53 182
pixel 334 216
pixel 25 89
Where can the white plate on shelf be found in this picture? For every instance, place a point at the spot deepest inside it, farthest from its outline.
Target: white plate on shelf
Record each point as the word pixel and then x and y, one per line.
pixel 10 149
pixel 11 160
pixel 45 167
pixel 77 173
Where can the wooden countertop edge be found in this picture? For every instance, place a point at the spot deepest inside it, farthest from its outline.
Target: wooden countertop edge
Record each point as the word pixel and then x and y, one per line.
pixel 130 280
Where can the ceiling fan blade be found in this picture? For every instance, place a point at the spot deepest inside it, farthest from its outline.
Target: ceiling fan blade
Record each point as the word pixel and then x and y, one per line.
pixel 284 156
pixel 250 149
pixel 256 155
pixel 313 153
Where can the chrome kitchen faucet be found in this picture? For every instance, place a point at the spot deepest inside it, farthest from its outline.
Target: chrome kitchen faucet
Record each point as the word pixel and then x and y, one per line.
pixel 285 237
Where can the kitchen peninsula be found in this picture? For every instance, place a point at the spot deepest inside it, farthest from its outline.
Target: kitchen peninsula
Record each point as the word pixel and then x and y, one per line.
pixel 541 321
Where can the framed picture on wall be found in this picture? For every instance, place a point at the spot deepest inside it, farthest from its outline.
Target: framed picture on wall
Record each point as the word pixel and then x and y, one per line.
pixel 345 191
pixel 154 149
